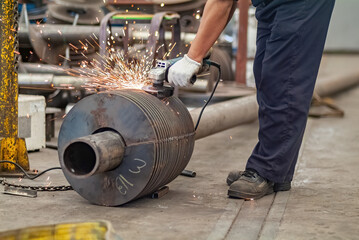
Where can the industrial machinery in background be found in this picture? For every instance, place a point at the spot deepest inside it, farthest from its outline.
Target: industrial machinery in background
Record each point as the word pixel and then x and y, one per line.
pixel 62 34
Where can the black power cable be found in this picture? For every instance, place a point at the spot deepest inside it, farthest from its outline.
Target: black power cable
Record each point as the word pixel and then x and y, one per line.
pixel 26 174
pixel 214 64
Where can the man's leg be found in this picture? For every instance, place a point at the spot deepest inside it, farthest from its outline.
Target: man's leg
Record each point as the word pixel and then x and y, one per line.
pixel 289 70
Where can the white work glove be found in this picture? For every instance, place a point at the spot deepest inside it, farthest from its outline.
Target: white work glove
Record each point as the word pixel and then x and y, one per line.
pixel 181 72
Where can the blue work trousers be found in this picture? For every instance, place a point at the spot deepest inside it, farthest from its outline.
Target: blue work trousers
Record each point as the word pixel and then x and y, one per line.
pixel 290 42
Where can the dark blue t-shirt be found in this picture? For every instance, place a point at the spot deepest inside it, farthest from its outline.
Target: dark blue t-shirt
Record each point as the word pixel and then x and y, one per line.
pixel 257 2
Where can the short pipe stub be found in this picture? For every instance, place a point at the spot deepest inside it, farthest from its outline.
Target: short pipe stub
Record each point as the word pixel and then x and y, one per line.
pixel 92 154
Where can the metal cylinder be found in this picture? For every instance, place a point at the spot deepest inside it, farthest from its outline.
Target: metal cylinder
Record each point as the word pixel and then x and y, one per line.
pixel 158 136
pixel 336 83
pixel 225 115
pixel 94 154
pixel 64 34
pixel 50 81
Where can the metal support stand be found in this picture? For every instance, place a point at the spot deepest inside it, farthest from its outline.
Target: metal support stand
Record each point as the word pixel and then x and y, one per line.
pixel 160 192
pixel 12 148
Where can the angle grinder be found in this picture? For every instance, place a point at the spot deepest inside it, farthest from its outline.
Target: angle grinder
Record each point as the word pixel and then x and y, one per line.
pixel 159 77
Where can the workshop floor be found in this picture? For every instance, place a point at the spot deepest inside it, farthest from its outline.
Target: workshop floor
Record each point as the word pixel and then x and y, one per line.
pixel 323 202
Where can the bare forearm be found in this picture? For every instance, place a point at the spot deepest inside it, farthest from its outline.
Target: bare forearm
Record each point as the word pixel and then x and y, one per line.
pixel 216 15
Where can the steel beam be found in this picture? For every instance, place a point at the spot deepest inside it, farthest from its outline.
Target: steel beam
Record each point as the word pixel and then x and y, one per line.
pixel 12 148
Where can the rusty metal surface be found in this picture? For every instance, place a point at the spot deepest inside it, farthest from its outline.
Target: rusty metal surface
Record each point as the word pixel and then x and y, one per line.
pixel 159 140
pixel 11 147
pixel 8 84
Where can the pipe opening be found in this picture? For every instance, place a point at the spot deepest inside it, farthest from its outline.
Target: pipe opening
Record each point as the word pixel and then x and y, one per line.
pixel 80 158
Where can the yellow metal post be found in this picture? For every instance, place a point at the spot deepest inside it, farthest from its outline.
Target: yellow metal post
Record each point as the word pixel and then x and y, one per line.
pixel 12 148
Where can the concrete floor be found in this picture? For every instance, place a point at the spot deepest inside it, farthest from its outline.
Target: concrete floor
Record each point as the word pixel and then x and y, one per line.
pixel 323 202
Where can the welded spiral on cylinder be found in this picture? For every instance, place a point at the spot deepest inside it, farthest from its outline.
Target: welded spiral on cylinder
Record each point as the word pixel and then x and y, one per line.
pixel 158 141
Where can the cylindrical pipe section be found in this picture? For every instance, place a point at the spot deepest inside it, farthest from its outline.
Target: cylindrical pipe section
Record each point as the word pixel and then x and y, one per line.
pixel 59 33
pixel 334 84
pixel 225 115
pixel 49 81
pixel 44 68
pixel 97 153
pixel 64 34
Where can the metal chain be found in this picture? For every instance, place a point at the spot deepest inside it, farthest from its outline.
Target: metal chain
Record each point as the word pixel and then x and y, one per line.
pixel 38 188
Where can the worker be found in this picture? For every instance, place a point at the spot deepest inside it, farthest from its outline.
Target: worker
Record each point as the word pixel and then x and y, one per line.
pixel 290 42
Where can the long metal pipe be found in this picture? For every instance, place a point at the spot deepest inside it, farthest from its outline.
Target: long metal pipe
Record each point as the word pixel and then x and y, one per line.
pixel 225 115
pixel 50 81
pixel 332 84
pixel 61 33
pixel 43 68
pixel 64 34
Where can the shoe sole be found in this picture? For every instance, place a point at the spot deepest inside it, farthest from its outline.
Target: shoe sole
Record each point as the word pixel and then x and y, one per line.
pixel 249 196
pixel 278 187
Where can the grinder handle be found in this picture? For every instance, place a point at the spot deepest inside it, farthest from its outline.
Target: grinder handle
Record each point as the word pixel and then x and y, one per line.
pixel 194 77
pixel 192 81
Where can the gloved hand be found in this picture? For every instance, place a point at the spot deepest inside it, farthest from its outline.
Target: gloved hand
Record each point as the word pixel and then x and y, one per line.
pixel 181 72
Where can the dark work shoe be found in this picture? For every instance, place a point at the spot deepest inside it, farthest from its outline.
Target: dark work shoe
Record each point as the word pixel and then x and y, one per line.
pixel 234 176
pixel 250 185
pixel 278 187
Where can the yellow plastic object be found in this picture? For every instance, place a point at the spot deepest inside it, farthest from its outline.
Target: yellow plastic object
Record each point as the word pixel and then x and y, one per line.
pixel 101 230
pixel 12 148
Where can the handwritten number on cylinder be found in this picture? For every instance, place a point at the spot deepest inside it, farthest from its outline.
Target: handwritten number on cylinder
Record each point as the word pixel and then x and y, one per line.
pixel 138 167
pixel 122 183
